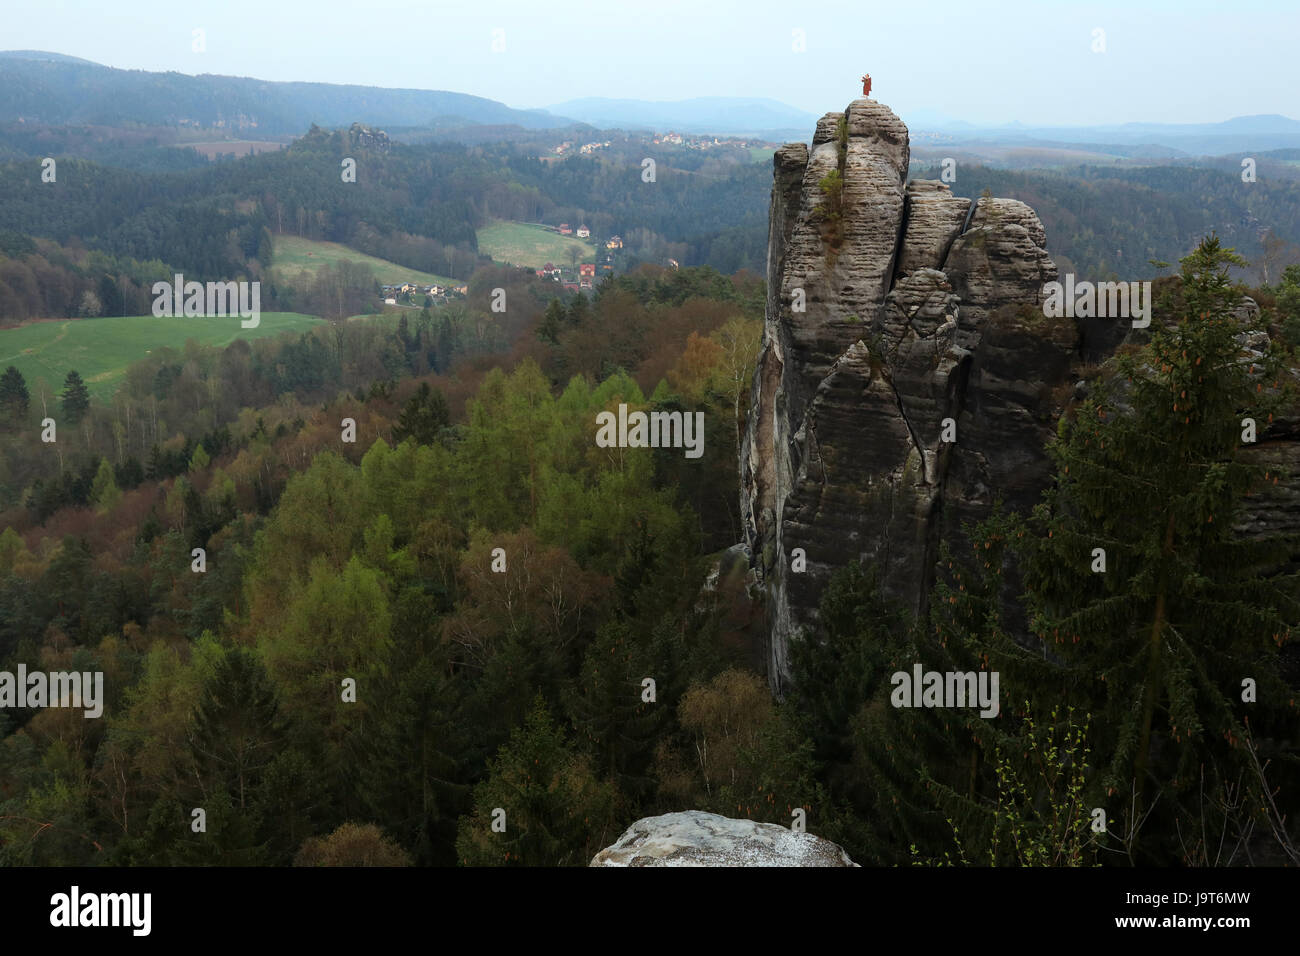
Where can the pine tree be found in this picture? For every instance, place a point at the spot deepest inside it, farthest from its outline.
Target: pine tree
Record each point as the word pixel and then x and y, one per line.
pixel 579 310
pixel 556 811
pixel 609 705
pixel 884 767
pixel 236 727
pixel 553 320
pixel 424 417
pixel 1150 478
pixel 76 398
pixel 446 346
pixel 14 398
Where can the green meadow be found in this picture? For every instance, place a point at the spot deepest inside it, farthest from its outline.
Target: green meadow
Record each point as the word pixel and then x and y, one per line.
pixel 101 349
pixel 295 256
pixel 531 246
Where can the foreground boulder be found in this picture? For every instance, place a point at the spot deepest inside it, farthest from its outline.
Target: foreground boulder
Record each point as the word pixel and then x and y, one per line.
pixel 694 838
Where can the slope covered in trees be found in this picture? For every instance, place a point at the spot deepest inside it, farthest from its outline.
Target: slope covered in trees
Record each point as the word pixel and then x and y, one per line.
pixel 327 561
pixel 475 606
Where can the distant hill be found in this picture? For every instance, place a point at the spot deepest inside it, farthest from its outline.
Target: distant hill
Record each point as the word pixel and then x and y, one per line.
pixel 1261 132
pixel 703 114
pixel 43 55
pixel 56 90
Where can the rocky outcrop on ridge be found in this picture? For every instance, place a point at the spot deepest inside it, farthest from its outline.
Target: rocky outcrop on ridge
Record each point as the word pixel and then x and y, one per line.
pixel 899 318
pixel 908 376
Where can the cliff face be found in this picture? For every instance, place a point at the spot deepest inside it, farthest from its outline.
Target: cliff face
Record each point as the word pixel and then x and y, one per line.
pixel 907 375
pixel 908 378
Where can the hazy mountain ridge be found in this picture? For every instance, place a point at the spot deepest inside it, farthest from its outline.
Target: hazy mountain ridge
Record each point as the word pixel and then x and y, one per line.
pixel 56 90
pixel 701 114
pixel 1259 132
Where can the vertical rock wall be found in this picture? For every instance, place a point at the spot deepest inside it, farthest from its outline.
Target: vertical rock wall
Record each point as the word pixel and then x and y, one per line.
pixel 914 311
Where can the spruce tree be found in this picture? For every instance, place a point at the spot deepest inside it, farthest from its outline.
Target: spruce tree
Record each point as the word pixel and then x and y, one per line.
pixel 549 807
pixel 424 417
pixel 1151 608
pixel 14 397
pixel 76 398
pixel 236 728
pixel 885 769
pixel 553 320
pixel 609 707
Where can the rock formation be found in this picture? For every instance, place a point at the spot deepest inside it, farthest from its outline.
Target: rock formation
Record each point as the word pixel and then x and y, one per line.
pixel 366 138
pixel 908 376
pixel 694 838
pixel 898 316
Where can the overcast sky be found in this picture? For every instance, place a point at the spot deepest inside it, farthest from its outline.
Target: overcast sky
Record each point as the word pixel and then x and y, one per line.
pixel 1030 61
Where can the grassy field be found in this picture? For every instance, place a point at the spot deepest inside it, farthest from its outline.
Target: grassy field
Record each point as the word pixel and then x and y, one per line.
pixel 531 246
pixel 295 256
pixel 101 349
pixel 237 147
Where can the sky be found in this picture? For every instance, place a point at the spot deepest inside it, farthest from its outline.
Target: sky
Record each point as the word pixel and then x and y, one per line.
pixel 1037 62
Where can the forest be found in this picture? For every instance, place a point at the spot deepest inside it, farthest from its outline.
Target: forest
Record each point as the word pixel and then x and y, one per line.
pixel 357 588
pixel 445 468
pixel 420 204
pixel 391 638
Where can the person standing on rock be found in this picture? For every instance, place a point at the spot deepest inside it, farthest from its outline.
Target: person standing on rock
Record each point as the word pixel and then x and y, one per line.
pixel 866 84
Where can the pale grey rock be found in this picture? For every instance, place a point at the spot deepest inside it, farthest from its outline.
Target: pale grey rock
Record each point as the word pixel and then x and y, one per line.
pixel 695 838
pixel 917 310
pixel 843 456
pixel 935 218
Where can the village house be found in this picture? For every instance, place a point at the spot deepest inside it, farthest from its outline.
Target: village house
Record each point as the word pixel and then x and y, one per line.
pixel 587 270
pixel 614 242
pixel 565 229
pixel 583 232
